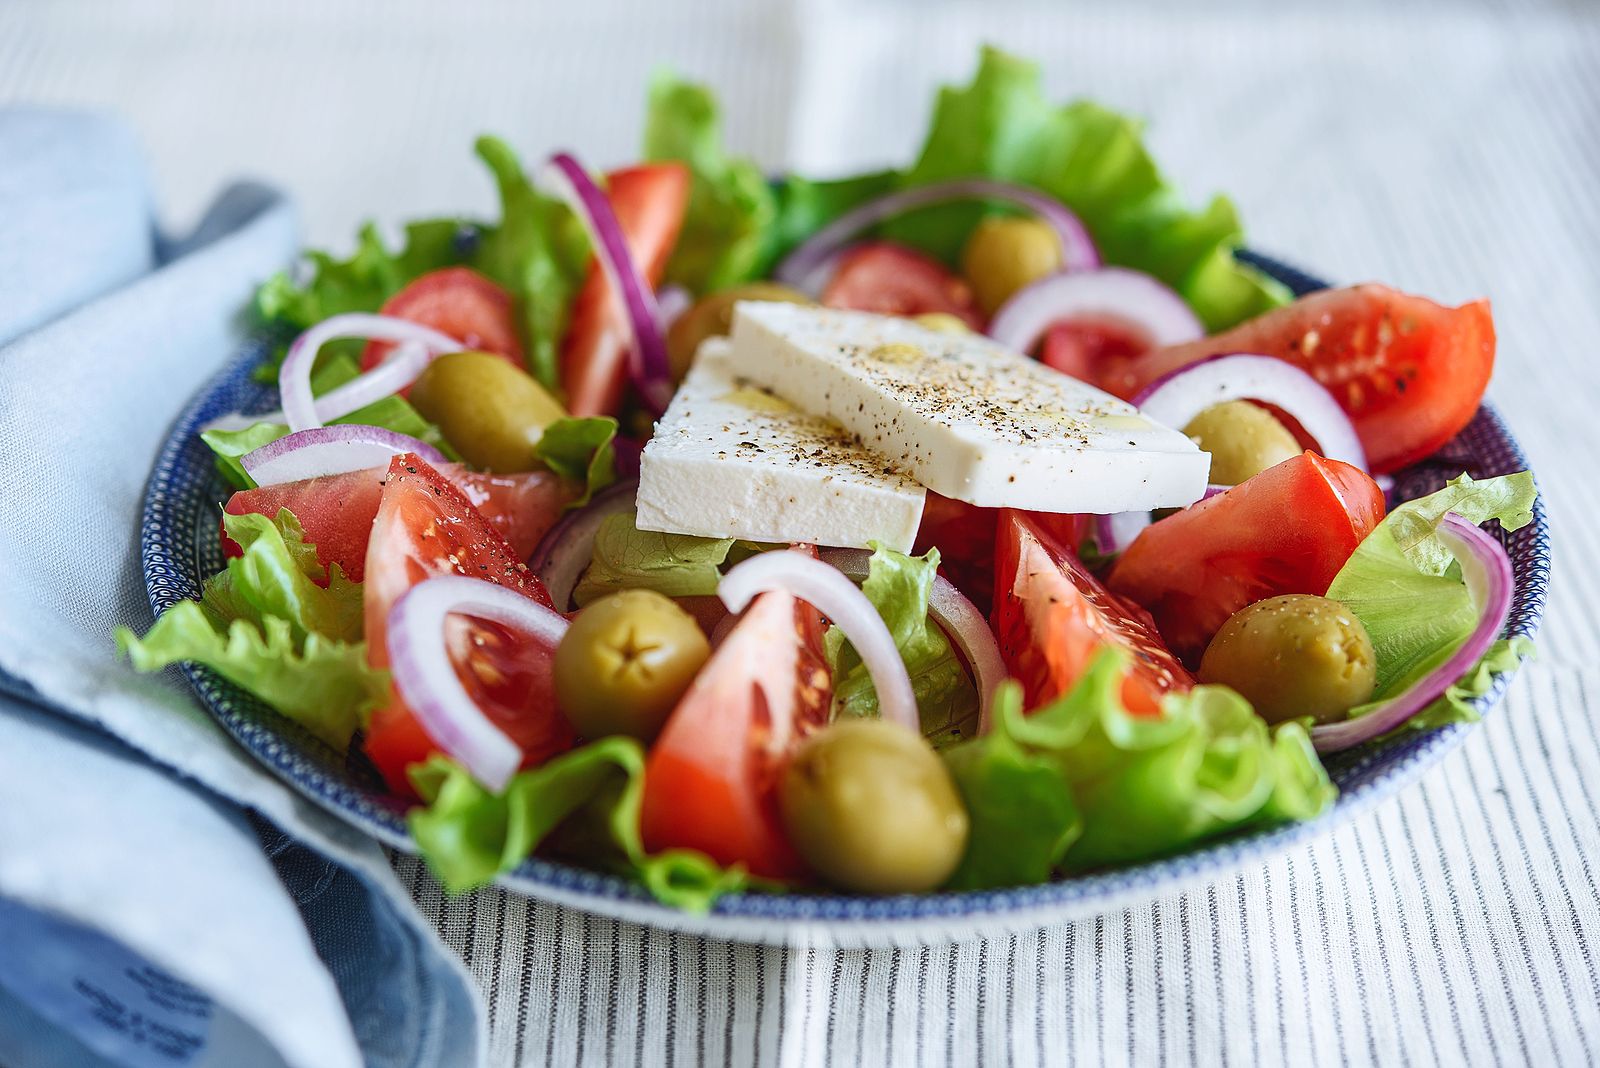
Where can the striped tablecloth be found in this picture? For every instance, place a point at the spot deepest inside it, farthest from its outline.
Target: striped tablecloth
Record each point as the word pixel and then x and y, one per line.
pixel 1453 150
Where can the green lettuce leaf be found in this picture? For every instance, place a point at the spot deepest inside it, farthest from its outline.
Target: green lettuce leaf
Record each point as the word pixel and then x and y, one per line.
pixel 468 834
pixel 731 204
pixel 1093 160
pixel 363 282
pixel 898 587
pixel 1082 783
pixel 333 370
pixel 537 252
pixel 580 451
pixel 268 625
pixel 625 558
pixel 1401 584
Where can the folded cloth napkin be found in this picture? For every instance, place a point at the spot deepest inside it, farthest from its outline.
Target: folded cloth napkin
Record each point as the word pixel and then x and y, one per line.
pixel 163 900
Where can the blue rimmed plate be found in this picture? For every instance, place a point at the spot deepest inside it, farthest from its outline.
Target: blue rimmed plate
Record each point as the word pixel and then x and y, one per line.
pixel 179 536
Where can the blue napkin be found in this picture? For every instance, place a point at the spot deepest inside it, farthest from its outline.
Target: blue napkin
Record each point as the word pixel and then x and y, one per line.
pixel 163 900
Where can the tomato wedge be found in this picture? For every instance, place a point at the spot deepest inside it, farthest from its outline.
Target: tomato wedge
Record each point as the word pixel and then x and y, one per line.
pixel 712 776
pixel 336 511
pixel 426 527
pixel 459 302
pixel 1410 373
pixel 1052 618
pixel 890 279
pixel 1078 346
pixel 649 202
pixel 1287 530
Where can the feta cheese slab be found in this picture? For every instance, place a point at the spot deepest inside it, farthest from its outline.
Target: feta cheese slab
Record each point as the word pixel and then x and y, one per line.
pixel 730 460
pixel 966 417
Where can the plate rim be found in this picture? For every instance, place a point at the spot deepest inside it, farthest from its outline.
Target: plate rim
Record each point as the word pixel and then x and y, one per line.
pixel 765 916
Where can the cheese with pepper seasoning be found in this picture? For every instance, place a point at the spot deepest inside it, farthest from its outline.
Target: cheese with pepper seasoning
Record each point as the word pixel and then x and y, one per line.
pixel 966 417
pixel 730 460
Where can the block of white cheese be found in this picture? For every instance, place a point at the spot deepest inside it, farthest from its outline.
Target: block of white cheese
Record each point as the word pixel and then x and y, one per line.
pixel 730 460
pixel 966 417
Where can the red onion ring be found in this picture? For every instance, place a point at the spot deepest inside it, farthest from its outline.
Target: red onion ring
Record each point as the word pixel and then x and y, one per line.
pixel 835 596
pixel 648 368
pixel 418 346
pixel 1487 572
pixel 1117 293
pixel 807 267
pixel 1177 397
pixel 960 620
pixel 331 450
pixel 566 549
pixel 1114 533
pixel 426 678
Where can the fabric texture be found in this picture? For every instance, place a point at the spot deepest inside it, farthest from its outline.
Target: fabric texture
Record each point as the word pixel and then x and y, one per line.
pixel 1446 148
pixel 99 846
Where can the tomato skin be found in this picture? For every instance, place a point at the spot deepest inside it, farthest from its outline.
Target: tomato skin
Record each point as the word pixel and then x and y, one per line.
pixel 1079 346
pixel 891 279
pixel 460 302
pixel 1410 373
pixel 1287 530
pixel 336 511
pixel 426 527
pixel 1052 618
pixel 649 201
pixel 712 775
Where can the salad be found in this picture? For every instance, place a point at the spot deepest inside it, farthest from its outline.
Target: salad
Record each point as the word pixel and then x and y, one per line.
pixel 968 525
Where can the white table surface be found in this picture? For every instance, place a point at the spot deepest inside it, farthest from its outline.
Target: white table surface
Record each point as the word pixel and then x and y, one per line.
pixel 1454 150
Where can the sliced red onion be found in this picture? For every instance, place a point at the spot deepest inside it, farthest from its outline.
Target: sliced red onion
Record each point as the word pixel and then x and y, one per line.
pixel 1115 293
pixel 416 348
pixel 331 450
pixel 1487 572
pixel 808 266
pixel 958 617
pixel 1114 533
pixel 647 351
pixel 566 549
pixel 426 678
pixel 671 302
pixel 1177 397
pixel 829 592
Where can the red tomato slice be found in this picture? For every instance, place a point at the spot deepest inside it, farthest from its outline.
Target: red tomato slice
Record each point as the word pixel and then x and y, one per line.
pixel 1077 347
pixel 461 303
pixel 964 535
pixel 1410 373
pixel 890 279
pixel 1287 530
pixel 1052 618
pixel 712 776
pixel 426 527
pixel 649 201
pixel 336 511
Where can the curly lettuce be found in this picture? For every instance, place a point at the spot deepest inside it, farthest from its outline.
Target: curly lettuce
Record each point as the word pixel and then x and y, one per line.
pixel 898 586
pixel 278 624
pixel 468 835
pixel 1082 783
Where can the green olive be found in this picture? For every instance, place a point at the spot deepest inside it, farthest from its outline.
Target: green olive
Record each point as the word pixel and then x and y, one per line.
pixel 1293 656
pixel 942 323
pixel 624 663
pixel 1005 253
pixel 871 807
pixel 1243 439
pixel 712 316
pixel 493 413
